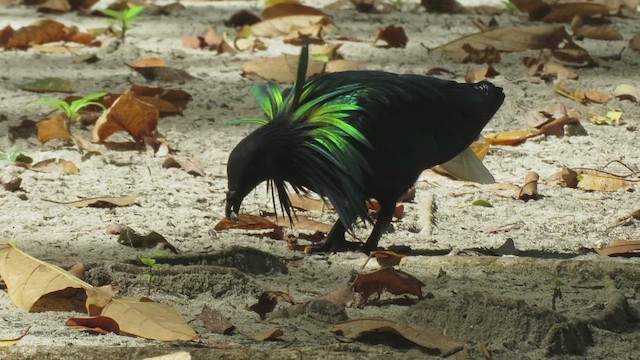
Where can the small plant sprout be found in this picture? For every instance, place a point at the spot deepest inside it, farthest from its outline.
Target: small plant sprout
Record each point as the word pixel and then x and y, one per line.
pixel 71 109
pixel 151 263
pixel 509 6
pixel 15 155
pixel 556 285
pixel 124 19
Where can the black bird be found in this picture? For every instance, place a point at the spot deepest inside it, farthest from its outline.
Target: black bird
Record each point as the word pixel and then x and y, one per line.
pixel 353 136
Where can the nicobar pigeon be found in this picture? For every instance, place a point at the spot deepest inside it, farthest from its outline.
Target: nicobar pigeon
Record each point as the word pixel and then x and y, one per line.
pixel 354 136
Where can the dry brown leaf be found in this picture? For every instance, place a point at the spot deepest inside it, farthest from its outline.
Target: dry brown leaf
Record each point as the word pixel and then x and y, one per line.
pixel 594 28
pixel 215 322
pixel 33 284
pixel 268 335
pixel 473 76
pixel 99 202
pixel 374 208
pixel 514 137
pixel 302 202
pixel 301 222
pixel 94 324
pixel 386 258
pixel 364 6
pixel 282 68
pixel 443 6
pixel 268 301
pixel 480 148
pixel 581 95
pixel 627 92
pixel 152 240
pixel 147 62
pixel 634 43
pixel 569 177
pixel 529 190
pixel 394 281
pixel 311 35
pixel 334 66
pixel 55 165
pixel 142 317
pixel 340 296
pixel 620 247
pixel 177 97
pixel 54 128
pixel 548 70
pixel 164 74
pixel 249 44
pixel 507 39
pixel 560 12
pixel 55 7
pixel 139 119
pixel 394 36
pixel 428 338
pixel 190 165
pixel 246 222
pixel 242 18
pixel 289 9
pixel 216 41
pixel 591 182
pixel 43 32
pixel 285 25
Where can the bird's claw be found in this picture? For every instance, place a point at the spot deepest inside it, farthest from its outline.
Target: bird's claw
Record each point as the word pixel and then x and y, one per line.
pixel 326 245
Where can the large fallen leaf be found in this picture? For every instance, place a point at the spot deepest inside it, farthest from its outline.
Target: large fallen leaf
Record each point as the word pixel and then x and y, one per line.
pixel 287 24
pixel 591 182
pixel 394 281
pixel 595 28
pixel 508 39
pixel 620 247
pixel 428 338
pixel 515 137
pixel 95 324
pixel 562 12
pixel 143 317
pixel 282 68
pixel 30 280
pixel 128 114
pixel 215 322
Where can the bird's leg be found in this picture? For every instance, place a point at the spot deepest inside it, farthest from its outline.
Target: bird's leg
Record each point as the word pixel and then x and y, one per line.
pixel 384 219
pixel 335 241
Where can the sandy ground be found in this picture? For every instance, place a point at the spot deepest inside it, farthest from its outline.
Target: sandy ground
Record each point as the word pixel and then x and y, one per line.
pixel 501 303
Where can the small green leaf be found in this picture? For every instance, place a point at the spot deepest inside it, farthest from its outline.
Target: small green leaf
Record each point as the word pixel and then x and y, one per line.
pixel 150 262
pixel 133 12
pixel 118 15
pixel 480 202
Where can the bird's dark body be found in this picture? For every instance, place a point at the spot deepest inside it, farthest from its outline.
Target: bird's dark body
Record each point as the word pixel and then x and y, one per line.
pixel 411 122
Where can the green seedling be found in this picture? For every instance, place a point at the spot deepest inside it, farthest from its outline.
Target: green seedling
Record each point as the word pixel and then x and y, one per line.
pixel 151 263
pixel 510 6
pixel 557 283
pixel 71 110
pixel 15 155
pixel 124 19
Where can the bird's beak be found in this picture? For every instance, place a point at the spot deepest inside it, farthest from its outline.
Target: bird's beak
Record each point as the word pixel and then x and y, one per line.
pixel 233 207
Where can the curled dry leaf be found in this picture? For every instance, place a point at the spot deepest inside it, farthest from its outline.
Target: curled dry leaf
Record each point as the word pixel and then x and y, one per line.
pixel 242 18
pixel 581 95
pixel 427 338
pixel 627 92
pixel 289 9
pixel 548 70
pixel 311 35
pixel 268 335
pixel 99 202
pixel 386 258
pixel 152 240
pixel 94 324
pixel 246 222
pixel 594 28
pixel 128 114
pixel 620 247
pixel 215 322
pixel 394 281
pixel 54 128
pixel 394 36
pixel 268 301
pixel 56 165
pixel 281 69
pixel 282 26
pixel 473 76
pixel 190 165
pixel 515 137
pixel 42 32
pixel 530 189
pixel 569 177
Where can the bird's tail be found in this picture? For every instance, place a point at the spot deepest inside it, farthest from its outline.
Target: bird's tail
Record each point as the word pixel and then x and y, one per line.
pixel 493 95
